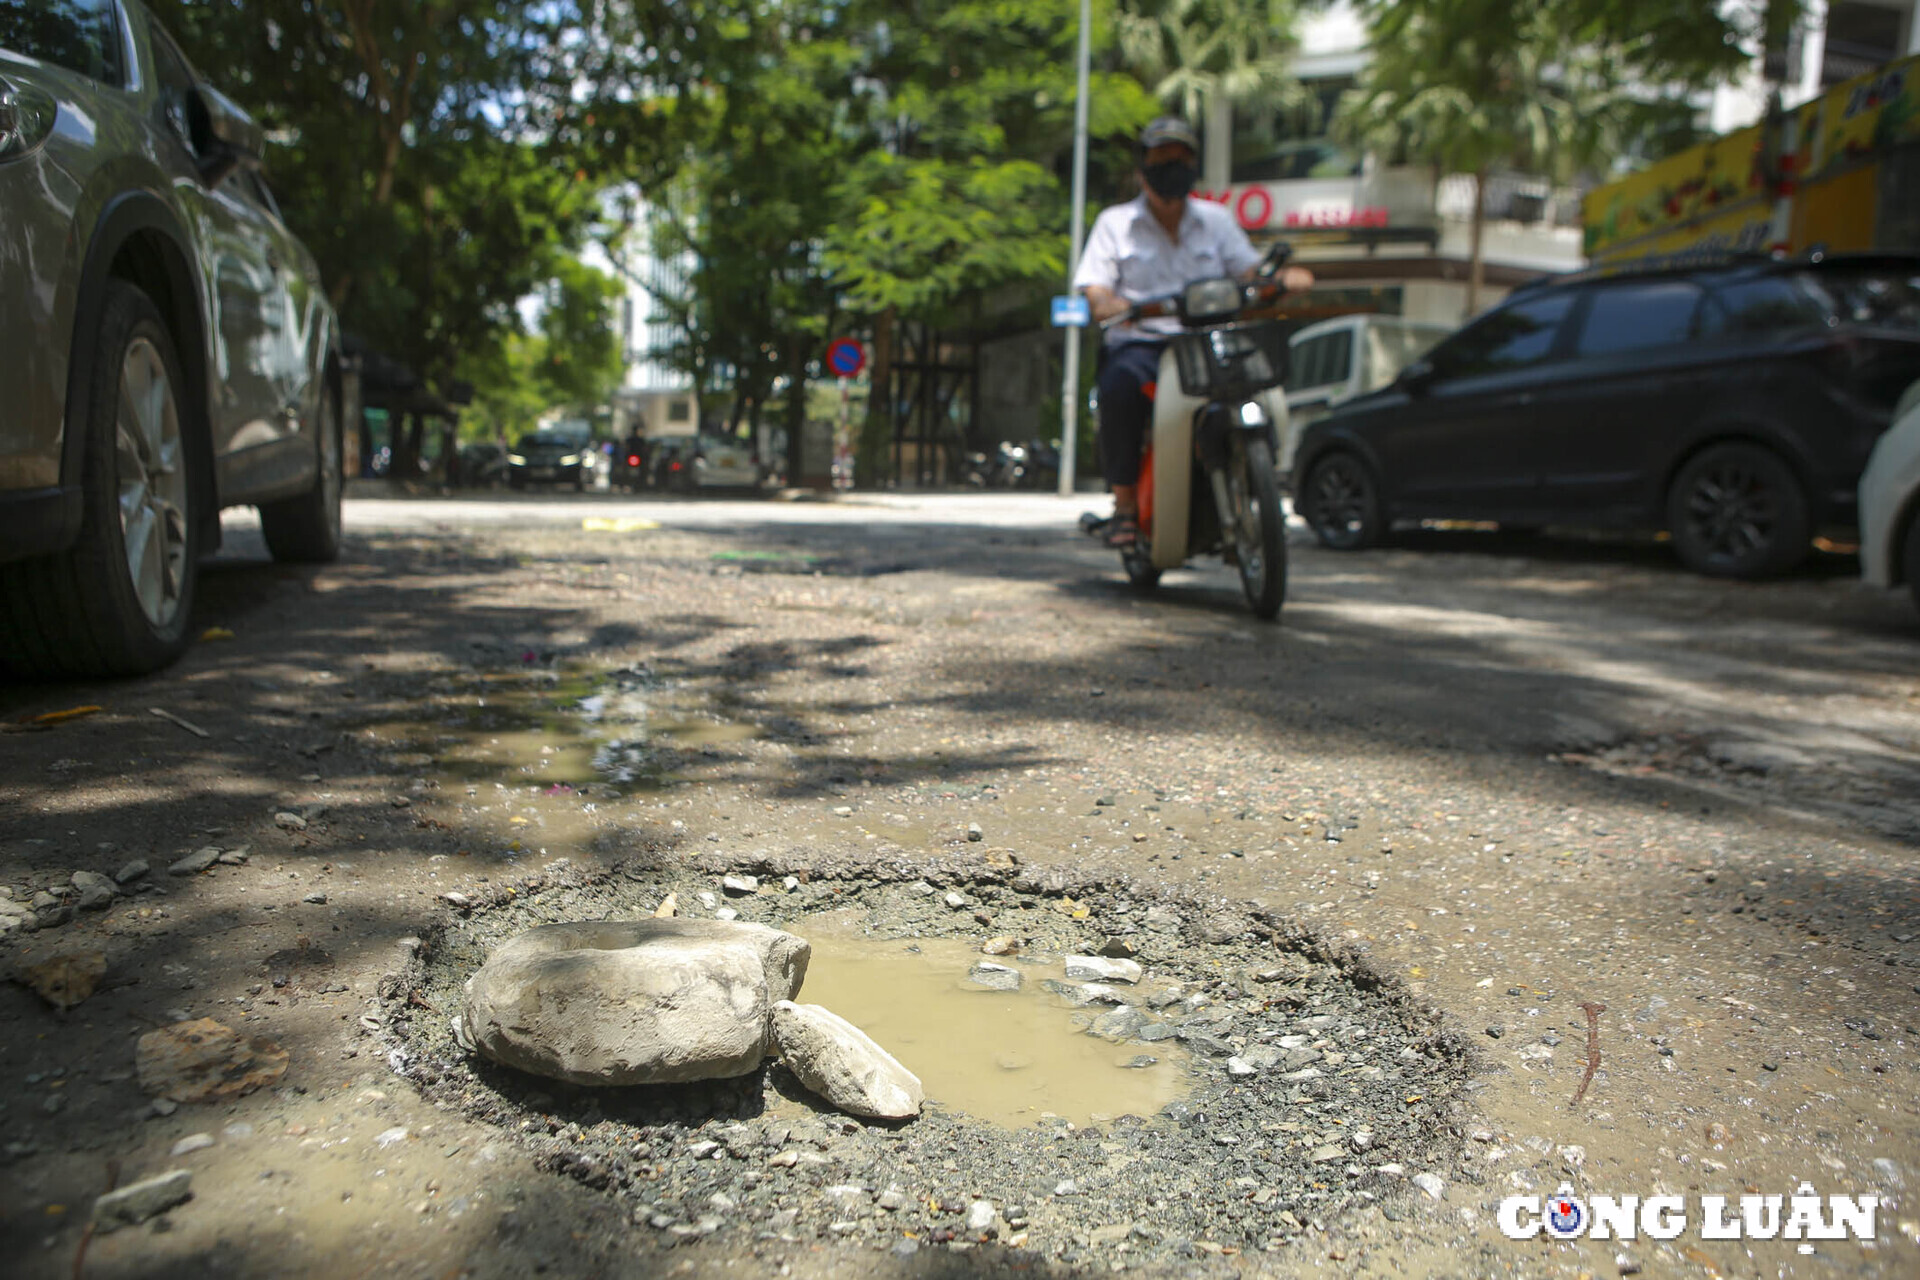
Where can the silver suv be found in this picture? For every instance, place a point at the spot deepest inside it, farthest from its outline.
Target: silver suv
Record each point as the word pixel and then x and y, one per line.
pixel 166 348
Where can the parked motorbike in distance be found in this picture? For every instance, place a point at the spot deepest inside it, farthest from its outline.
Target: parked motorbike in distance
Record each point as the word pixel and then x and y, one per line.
pixel 1228 416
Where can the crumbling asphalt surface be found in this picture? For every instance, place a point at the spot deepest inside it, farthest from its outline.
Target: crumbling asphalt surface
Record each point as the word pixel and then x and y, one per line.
pixel 1510 777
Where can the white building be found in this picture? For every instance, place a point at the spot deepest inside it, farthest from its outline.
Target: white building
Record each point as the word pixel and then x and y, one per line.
pixel 1838 39
pixel 654 399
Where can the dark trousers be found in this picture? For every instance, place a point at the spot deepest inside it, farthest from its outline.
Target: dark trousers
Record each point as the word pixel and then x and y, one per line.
pixel 1126 410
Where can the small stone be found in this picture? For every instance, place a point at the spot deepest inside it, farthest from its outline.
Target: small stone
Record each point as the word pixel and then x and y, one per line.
pixel 1769 1066
pixel 85 880
pixel 1119 949
pixel 458 901
pixel 740 886
pixel 142 1200
pixel 192 1142
pixel 974 834
pixel 1361 1140
pixel 995 977
pixel 726 913
pixel 841 1063
pixel 163 1106
pixel 96 897
pixel 980 1217
pixel 1432 1184
pixel 1102 969
pixel 1241 1067
pixel 847 1196
pixel 131 872
pixel 790 883
pixel 701 1150
pixel 1001 946
pixel 843 811
pixel 1323 1154
pixel 234 857
pixel 1066 1188
pixel 315 899
pixel 289 821
pixel 1496 1031
pixel 196 862
pixel 922 888
pixel 390 1137
pixel 892 1199
pixel 956 901
pixel 1119 1024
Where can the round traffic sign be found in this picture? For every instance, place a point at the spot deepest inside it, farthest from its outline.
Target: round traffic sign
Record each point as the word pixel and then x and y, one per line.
pixel 846 358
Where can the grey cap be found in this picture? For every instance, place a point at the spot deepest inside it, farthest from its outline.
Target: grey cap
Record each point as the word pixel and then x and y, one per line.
pixel 1165 131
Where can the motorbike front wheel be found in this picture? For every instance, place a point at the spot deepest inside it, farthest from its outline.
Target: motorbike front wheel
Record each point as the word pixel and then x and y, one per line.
pixel 1258 525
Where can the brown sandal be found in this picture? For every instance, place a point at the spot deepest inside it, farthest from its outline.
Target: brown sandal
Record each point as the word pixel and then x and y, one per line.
pixel 1123 531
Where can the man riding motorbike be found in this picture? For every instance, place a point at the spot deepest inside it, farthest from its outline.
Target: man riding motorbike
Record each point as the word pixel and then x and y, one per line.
pixel 1148 247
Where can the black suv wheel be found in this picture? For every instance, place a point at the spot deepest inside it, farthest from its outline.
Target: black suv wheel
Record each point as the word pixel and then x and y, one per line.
pixel 1737 511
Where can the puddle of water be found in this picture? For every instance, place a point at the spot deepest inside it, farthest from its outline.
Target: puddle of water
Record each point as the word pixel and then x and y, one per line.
pixel 1006 1057
pixel 575 731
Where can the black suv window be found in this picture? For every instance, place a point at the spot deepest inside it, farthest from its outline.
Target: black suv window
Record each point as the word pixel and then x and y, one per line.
pixel 80 35
pixel 1632 317
pixel 1517 335
pixel 1766 304
pixel 1889 299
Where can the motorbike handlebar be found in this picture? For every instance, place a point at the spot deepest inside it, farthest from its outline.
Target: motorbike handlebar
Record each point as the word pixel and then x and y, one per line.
pixel 1263 290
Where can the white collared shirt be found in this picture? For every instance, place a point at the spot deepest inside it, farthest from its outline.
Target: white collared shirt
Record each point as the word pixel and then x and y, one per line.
pixel 1130 253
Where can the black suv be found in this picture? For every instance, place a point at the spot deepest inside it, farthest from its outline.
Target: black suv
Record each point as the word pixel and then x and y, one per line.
pixel 1732 405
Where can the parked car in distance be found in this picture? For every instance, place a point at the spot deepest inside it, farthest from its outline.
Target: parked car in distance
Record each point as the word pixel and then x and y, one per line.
pixel 166 347
pixel 1890 503
pixel 483 464
pixel 1731 404
pixel 550 457
pixel 1332 361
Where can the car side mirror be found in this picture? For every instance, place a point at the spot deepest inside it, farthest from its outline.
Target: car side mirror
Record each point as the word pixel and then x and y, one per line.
pixel 1416 377
pixel 224 135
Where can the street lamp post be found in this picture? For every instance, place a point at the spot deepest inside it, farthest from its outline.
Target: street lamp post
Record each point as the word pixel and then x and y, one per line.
pixel 1070 380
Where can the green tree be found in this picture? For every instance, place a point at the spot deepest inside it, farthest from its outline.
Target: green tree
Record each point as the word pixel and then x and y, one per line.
pixel 437 156
pixel 580 358
pixel 1549 86
pixel 1205 57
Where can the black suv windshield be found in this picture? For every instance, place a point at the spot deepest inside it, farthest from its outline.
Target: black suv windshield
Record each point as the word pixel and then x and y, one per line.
pixel 80 35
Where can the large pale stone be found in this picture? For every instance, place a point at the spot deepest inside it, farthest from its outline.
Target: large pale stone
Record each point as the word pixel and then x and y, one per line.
pixel 842 1064
pixel 633 1001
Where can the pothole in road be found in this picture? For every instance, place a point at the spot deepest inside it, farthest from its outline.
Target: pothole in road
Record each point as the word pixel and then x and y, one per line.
pixel 1291 1084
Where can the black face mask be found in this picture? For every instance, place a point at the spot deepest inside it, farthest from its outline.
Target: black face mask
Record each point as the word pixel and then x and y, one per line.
pixel 1171 179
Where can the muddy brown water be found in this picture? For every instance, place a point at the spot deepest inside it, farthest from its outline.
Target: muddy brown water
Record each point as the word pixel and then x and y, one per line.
pixel 1007 1057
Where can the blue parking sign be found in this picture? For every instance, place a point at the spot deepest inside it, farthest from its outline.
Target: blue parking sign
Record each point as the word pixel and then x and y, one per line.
pixel 1071 310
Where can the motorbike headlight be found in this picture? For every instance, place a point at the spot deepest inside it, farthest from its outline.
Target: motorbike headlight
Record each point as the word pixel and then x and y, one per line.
pixel 516 460
pixel 1210 299
pixel 1253 414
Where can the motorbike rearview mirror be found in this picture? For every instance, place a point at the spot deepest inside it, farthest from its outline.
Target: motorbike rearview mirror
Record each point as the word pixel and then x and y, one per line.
pixel 1277 256
pixel 1214 299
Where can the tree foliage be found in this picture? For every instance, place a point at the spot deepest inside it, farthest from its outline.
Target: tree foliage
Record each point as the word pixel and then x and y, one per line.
pixel 1551 87
pixel 439 157
pixel 1194 52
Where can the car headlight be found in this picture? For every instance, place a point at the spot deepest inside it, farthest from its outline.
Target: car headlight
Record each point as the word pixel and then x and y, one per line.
pixel 571 460
pixel 517 460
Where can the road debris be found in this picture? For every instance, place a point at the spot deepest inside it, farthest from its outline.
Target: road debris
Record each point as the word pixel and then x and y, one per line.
pixel 1593 1012
pixel 188 725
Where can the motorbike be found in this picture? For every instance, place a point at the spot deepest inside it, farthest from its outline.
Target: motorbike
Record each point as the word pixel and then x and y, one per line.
pixel 1207 476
